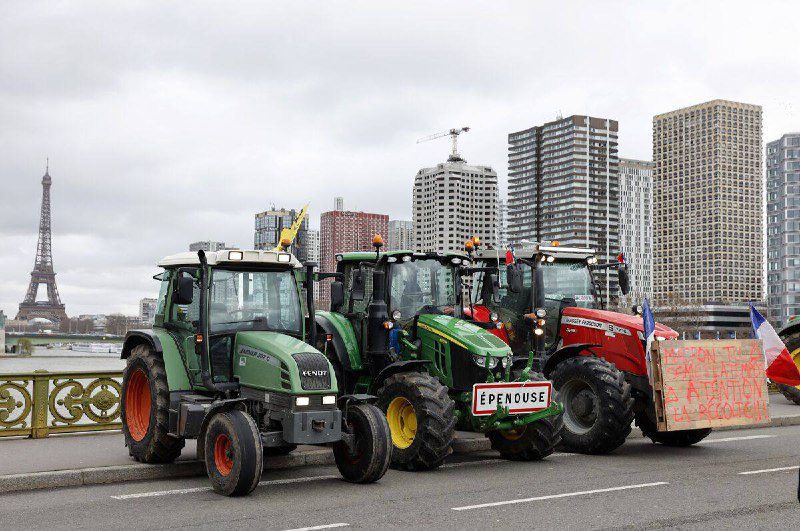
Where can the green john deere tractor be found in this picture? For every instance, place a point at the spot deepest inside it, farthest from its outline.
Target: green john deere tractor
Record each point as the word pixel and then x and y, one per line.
pixel 395 330
pixel 229 362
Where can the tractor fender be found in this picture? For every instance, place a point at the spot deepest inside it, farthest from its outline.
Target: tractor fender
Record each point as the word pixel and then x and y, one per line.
pixel 396 367
pixel 134 338
pixel 345 400
pixel 344 338
pixel 789 330
pixel 563 353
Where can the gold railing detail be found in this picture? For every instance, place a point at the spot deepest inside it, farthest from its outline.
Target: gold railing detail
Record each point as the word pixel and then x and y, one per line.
pixel 39 403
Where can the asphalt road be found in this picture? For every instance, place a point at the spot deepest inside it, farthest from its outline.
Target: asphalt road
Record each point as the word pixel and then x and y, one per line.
pixel 727 482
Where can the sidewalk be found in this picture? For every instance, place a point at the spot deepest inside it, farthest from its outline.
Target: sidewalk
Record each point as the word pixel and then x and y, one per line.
pixel 103 458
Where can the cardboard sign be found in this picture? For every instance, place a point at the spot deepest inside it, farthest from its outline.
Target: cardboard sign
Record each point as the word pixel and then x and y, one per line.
pixel 518 397
pixel 709 383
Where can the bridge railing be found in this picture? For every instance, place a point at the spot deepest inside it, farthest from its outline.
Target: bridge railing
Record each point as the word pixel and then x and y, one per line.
pixel 39 403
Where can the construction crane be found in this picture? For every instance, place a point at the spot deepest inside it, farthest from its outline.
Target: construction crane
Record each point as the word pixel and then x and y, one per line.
pixel 453 133
pixel 288 235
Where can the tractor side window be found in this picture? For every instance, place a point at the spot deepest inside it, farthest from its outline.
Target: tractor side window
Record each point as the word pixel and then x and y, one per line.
pixel 362 305
pixel 188 313
pixel 163 290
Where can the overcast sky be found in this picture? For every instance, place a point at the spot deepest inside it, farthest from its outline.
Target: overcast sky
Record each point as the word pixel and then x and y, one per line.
pixel 170 122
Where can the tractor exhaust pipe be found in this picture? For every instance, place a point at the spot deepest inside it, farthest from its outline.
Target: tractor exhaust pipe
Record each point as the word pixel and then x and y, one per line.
pixel 377 316
pixel 201 341
pixel 312 321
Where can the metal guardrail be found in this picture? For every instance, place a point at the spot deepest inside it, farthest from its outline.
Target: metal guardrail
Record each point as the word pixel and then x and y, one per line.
pixel 39 403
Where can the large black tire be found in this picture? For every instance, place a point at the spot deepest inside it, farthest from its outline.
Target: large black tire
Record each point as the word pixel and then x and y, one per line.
pixel 423 399
pixel 233 453
pixel 534 441
pixel 145 409
pixel 792 394
pixel 598 407
pixel 669 438
pixel 373 445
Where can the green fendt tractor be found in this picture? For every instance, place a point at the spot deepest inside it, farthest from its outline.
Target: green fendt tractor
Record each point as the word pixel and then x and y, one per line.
pixel 228 362
pixel 395 330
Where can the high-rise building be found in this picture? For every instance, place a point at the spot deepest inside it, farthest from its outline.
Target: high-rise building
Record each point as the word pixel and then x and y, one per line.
pixel 341 231
pixel 707 212
pixel 268 227
pixel 563 184
pixel 783 228
pixel 338 203
pixel 207 246
pixel 147 310
pixel 454 201
pixel 502 224
pixel 312 248
pixel 636 225
pixel 401 235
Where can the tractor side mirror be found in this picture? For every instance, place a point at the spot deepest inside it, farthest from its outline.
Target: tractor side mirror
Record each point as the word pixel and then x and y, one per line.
pixel 184 289
pixel 624 280
pixel 514 278
pixel 495 287
pixel 357 291
pixel 337 295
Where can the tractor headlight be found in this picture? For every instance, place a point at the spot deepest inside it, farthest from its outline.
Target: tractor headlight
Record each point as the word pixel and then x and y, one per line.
pixel 493 316
pixel 302 401
pixel 505 362
pixel 235 255
pixel 329 400
pixel 592 260
pixel 660 338
pixel 396 315
pixel 538 331
pixel 541 313
pixel 480 361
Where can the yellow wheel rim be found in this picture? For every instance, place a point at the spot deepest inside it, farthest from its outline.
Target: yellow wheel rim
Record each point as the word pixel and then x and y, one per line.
pixel 402 421
pixel 513 435
pixel 796 358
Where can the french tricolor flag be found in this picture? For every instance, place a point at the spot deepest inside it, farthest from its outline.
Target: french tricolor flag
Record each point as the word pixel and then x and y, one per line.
pixel 779 363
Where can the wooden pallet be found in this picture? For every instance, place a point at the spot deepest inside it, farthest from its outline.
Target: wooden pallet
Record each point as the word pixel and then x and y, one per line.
pixel 709 384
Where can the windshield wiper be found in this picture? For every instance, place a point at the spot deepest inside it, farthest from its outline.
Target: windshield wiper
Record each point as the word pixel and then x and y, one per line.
pixel 254 320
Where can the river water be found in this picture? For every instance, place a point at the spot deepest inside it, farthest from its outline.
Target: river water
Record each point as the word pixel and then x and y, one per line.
pixel 59 360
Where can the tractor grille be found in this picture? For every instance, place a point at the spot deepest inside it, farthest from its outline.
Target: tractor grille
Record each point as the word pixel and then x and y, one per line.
pixel 314 371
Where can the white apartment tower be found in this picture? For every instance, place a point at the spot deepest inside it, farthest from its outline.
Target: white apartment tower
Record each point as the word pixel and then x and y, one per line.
pixel 401 235
pixel 502 224
pixel 636 225
pixel 454 201
pixel 708 211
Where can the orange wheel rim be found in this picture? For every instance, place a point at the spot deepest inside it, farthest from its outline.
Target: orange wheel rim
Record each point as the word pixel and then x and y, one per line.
pixel 222 454
pixel 137 405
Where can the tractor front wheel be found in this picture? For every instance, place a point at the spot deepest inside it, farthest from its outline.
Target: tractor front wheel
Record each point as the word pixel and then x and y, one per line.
pixel 145 409
pixel 598 407
pixel 233 453
pixel 368 459
pixel 421 419
pixel 669 438
pixel 531 442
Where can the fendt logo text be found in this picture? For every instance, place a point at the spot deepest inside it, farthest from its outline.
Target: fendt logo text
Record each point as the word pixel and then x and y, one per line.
pixel 315 373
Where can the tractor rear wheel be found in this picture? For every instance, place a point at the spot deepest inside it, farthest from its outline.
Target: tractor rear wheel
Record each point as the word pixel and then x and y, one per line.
pixel 598 407
pixel 791 393
pixel 145 409
pixel 233 453
pixel 669 438
pixel 421 419
pixel 531 442
pixel 372 443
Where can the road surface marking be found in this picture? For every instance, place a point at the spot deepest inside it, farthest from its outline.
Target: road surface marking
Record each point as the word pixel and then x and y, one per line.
pixel 205 489
pixel 764 471
pixel 327 526
pixel 565 495
pixel 729 439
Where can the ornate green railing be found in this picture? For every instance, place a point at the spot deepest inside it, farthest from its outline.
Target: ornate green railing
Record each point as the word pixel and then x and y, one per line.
pixel 39 403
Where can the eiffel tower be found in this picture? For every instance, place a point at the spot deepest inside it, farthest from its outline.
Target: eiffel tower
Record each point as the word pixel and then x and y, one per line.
pixel 52 308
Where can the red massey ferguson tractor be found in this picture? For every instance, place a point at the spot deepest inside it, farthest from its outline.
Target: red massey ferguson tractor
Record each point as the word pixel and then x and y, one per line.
pixel 548 303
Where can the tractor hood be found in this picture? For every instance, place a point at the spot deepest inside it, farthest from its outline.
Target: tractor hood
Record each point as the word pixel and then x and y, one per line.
pixel 279 362
pixel 469 336
pixel 631 322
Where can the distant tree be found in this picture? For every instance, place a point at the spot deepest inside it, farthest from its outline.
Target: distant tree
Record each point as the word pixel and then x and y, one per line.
pixel 116 325
pixel 25 347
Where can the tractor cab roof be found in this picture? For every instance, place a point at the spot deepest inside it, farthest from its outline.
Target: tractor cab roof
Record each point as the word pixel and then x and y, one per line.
pixel 392 256
pixel 232 257
pixel 531 251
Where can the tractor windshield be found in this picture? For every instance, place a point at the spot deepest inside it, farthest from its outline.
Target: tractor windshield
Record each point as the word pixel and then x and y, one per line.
pixel 568 279
pixel 254 300
pixel 422 286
